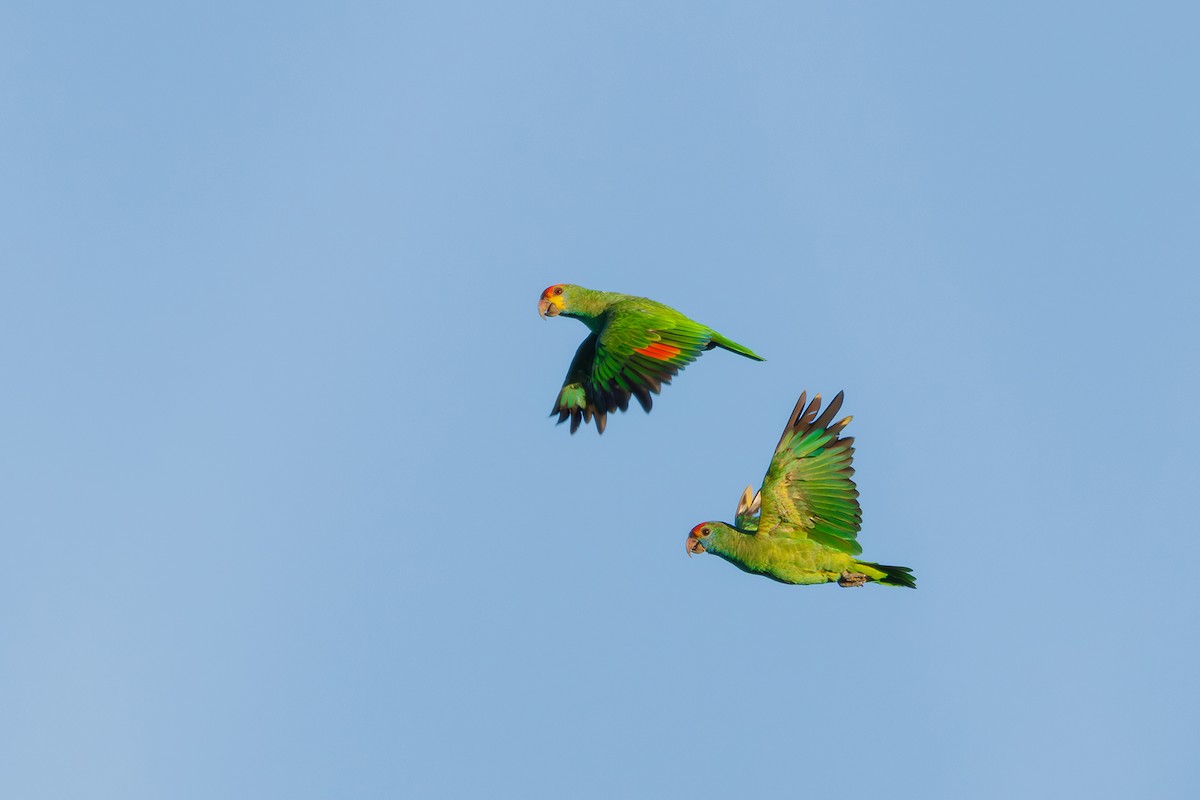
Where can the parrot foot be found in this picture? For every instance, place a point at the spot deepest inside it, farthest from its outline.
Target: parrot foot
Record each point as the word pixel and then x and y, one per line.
pixel 852 579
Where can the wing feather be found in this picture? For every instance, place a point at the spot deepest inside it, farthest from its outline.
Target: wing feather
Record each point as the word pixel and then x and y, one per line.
pixel 808 491
pixel 639 349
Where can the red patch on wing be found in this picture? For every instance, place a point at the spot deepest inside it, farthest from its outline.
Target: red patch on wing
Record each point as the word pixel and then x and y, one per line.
pixel 663 352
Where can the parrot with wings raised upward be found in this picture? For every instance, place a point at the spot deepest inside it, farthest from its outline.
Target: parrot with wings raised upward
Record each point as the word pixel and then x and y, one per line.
pixel 802 525
pixel 635 346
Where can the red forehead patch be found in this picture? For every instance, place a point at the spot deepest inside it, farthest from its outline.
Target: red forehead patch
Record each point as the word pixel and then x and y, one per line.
pixel 658 350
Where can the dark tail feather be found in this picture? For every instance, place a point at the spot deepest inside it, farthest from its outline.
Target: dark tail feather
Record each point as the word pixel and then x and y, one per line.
pixel 894 576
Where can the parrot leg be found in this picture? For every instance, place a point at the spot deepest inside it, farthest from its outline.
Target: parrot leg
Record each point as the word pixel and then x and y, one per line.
pixel 852 579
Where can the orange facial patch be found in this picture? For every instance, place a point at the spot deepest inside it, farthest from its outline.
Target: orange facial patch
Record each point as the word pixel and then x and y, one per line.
pixel 663 352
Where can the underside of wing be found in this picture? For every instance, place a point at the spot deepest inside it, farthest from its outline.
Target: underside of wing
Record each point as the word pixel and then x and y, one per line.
pixel 748 508
pixel 808 491
pixel 573 402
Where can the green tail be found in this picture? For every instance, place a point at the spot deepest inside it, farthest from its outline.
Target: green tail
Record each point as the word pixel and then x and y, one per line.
pixel 728 344
pixel 893 576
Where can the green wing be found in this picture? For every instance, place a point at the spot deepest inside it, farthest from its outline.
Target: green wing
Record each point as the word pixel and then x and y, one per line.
pixel 808 491
pixel 641 346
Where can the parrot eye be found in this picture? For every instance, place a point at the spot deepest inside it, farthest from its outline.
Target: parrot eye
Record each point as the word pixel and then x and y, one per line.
pixel 558 290
pixel 705 531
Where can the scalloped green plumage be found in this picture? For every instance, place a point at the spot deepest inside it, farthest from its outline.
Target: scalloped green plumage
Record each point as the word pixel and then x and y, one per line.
pixel 806 529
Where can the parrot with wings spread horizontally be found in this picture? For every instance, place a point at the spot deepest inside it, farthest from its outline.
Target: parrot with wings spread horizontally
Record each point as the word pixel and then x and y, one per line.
pixel 635 346
pixel 802 525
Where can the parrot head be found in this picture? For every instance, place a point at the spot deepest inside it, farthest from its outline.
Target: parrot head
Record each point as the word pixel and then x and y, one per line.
pixel 698 535
pixel 554 301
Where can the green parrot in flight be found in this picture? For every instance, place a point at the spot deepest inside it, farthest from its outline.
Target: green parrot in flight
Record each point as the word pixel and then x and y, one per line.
pixel 635 346
pixel 801 526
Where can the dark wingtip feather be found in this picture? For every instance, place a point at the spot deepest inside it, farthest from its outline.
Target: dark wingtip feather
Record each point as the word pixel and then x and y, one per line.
pixel 810 413
pixel 836 431
pixel 643 397
pixel 793 418
pixel 827 416
pixel 804 418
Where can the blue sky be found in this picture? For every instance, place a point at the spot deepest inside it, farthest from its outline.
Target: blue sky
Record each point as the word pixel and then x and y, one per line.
pixel 284 515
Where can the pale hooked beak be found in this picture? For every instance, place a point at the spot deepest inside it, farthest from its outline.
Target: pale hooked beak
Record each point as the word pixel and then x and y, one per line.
pixel 694 546
pixel 546 308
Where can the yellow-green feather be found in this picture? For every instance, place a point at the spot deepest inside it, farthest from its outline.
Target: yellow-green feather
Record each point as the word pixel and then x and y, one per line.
pixel 807 527
pixel 800 561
